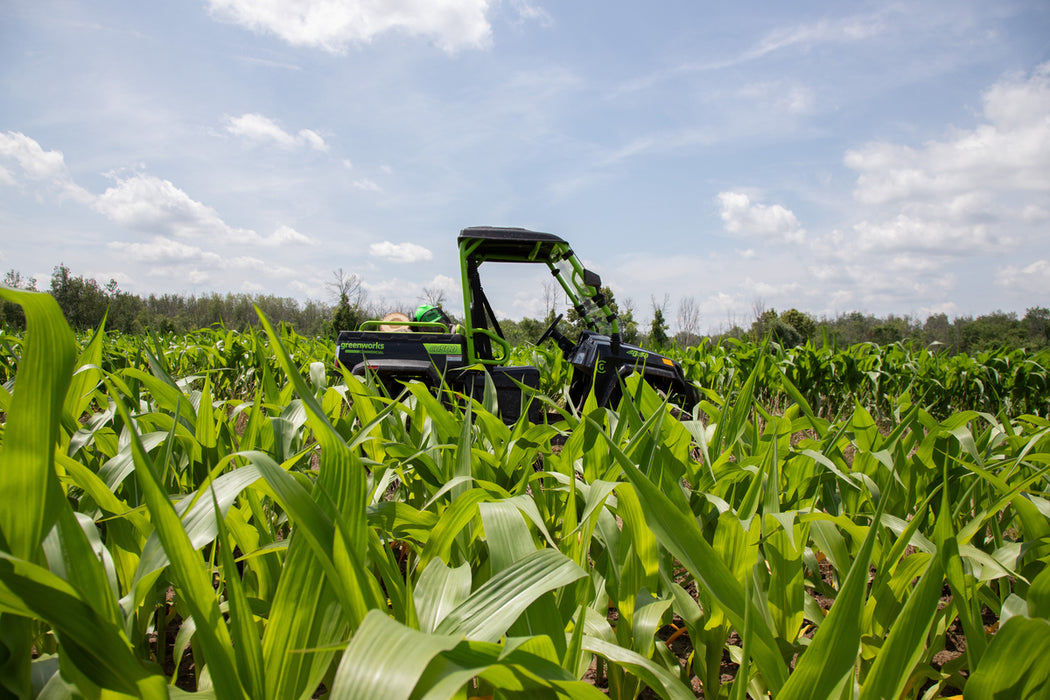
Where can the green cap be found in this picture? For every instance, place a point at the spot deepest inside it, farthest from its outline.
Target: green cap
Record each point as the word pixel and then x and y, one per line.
pixel 429 313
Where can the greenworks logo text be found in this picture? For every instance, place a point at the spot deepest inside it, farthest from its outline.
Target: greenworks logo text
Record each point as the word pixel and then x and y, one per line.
pixel 361 347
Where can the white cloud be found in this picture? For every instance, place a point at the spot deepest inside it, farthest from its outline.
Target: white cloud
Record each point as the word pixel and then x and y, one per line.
pixel 765 290
pixel 400 252
pixel 366 185
pixel 445 284
pixel 286 234
pixel 311 289
pixel 745 218
pixel 313 139
pixel 162 249
pixel 1033 278
pixel 37 165
pixel 530 12
pixel 331 25
pixel 121 278
pixel 910 233
pixel 846 30
pixel 149 204
pixel 178 260
pixel 259 129
pixel 802 37
pixel 1010 152
pixel 974 191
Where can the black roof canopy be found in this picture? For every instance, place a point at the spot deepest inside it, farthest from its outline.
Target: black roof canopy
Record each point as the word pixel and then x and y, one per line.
pixel 510 244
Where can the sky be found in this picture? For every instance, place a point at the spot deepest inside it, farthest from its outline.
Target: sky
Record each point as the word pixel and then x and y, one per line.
pixel 881 157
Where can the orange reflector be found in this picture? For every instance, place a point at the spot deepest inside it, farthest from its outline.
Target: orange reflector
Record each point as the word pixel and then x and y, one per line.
pixel 669 363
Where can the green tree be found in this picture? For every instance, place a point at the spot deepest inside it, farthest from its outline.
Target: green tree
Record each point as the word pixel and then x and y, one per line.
pixel 1036 323
pixel 527 330
pixel 891 330
pixel 801 322
pixel 11 315
pixel 763 324
pixel 628 326
pixel 992 331
pixel 852 328
pixel 345 318
pixel 83 301
pixel 348 312
pixel 658 329
pixel 938 329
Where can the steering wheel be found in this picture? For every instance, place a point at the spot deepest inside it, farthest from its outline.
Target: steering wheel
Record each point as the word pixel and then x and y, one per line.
pixel 551 330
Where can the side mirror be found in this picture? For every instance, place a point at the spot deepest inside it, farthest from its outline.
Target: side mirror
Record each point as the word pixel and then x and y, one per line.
pixel 591 279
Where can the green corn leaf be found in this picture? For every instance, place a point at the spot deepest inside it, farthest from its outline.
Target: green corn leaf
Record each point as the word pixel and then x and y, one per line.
pixel 833 652
pixel 507 535
pixel 205 423
pixel 375 664
pixel 188 570
pixel 75 552
pixel 1038 603
pixel 244 633
pixel 492 609
pixel 962 588
pixel 509 540
pixel 103 496
pixel 678 531
pixel 197 518
pixel 730 431
pixel 85 379
pixel 523 667
pixel 1016 665
pixel 322 590
pixel 27 474
pixel 439 590
pixel 92 643
pixel 906 642
pixel 451 524
pixel 654 675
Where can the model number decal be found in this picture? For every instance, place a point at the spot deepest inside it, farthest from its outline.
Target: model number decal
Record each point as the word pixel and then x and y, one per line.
pixel 443 348
pixel 638 353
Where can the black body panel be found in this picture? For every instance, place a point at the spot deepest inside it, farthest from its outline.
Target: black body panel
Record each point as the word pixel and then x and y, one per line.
pixel 433 358
pixel 597 360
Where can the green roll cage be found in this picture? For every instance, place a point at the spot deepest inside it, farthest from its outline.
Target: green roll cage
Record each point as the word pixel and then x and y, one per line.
pixel 481 244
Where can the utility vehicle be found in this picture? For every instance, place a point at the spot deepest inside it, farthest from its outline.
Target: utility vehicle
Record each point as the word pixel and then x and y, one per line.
pixel 461 357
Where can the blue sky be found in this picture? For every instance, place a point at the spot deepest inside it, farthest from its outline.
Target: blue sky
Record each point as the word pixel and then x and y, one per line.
pixel 828 156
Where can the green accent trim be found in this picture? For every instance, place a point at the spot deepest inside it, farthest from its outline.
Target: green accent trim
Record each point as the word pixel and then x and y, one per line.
pixel 497 343
pixel 465 249
pixel 426 326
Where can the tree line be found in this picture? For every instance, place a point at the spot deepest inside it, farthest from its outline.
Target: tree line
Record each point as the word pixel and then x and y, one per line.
pixel 85 303
pixel 964 334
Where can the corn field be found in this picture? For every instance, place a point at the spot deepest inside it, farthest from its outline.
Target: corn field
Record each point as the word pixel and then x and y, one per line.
pixel 225 515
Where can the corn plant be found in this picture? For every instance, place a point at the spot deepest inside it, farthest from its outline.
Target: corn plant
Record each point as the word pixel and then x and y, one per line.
pixel 222 515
